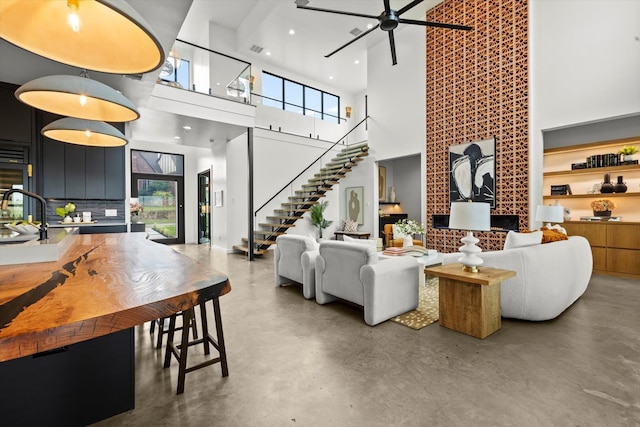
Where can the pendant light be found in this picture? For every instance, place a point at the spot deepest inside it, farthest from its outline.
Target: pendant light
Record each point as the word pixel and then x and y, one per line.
pixel 84 132
pixel 100 35
pixel 78 97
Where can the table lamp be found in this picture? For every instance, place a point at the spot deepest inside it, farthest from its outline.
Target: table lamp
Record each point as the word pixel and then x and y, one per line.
pixel 470 217
pixel 549 214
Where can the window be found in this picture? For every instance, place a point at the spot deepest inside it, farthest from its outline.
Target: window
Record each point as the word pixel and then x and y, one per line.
pixel 288 95
pixel 176 71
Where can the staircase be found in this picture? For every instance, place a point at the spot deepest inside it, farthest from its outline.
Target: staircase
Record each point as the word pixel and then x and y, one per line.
pixel 310 194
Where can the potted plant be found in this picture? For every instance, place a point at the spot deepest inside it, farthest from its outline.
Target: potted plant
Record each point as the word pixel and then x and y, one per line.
pixel 317 217
pixel 602 207
pixel 627 152
pixel 64 212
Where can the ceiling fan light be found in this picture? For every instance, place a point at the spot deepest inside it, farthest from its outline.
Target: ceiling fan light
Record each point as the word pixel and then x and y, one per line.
pixel 84 132
pixel 105 35
pixel 79 97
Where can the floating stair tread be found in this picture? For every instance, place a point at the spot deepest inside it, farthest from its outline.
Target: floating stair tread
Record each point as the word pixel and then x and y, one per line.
pixel 245 249
pixel 276 225
pixel 307 197
pixel 268 233
pixel 307 203
pixel 259 241
pixel 285 217
pixel 292 210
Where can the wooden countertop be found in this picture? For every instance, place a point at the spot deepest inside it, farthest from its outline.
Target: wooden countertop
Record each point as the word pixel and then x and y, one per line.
pixel 102 284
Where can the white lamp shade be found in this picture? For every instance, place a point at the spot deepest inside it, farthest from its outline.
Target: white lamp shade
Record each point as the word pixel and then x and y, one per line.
pixel 470 216
pixel 111 37
pixel 62 95
pixel 84 132
pixel 550 213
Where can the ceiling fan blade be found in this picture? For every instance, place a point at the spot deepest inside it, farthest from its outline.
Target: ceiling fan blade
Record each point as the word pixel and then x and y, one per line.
pixel 392 43
pixel 435 24
pixel 409 6
pixel 337 12
pixel 355 39
pixel 387 6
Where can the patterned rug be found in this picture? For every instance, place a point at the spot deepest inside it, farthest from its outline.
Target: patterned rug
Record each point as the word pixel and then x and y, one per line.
pixel 427 311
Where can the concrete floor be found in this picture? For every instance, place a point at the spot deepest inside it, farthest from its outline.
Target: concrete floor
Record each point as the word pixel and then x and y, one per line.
pixel 293 362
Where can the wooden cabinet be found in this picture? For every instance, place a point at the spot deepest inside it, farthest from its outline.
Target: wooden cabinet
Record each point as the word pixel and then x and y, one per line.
pixel 615 246
pixel 557 171
pixel 77 172
pixel 16 118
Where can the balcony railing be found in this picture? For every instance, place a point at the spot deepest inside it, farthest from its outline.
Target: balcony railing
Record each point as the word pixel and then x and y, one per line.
pixel 194 68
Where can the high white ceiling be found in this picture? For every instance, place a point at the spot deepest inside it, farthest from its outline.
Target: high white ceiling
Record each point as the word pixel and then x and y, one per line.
pixel 264 23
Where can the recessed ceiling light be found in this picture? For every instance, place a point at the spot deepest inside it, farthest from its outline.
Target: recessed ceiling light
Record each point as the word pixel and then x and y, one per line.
pixel 356 62
pixel 369 26
pixel 330 77
pixel 292 32
pixel 176 137
pixel 217 83
pixel 268 53
pixel 186 127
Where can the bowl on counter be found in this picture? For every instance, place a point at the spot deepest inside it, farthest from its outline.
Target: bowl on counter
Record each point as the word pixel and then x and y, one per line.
pixel 23 228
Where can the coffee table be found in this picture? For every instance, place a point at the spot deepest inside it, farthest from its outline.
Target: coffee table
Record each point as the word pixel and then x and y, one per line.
pixel 470 302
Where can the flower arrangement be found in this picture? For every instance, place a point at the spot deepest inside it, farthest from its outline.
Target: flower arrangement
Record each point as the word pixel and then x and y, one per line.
pixel 410 227
pixel 136 208
pixel 628 150
pixel 66 210
pixel 602 205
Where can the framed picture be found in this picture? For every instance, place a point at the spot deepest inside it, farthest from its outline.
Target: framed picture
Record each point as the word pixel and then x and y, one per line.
pixel 382 183
pixel 217 198
pixel 355 204
pixel 472 172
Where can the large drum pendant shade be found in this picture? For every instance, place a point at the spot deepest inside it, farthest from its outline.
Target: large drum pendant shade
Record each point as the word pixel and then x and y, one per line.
pixel 78 97
pixel 84 132
pixel 100 35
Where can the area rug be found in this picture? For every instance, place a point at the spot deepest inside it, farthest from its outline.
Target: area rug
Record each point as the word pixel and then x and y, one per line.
pixel 427 311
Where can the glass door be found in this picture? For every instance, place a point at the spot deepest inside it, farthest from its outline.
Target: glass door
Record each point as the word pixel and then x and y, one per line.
pixel 204 207
pixel 162 204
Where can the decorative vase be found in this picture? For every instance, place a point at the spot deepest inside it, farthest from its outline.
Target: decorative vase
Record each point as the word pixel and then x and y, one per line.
pixel 607 186
pixel 392 194
pixel 627 157
pixel 601 213
pixel 620 186
pixel 67 219
pixel 134 218
pixel 408 241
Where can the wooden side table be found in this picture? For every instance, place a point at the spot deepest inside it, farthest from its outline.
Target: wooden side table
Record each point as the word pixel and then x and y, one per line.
pixel 354 234
pixel 470 302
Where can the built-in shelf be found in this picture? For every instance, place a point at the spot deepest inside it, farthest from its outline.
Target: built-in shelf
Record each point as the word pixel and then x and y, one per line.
pixel 595 171
pixel 591 196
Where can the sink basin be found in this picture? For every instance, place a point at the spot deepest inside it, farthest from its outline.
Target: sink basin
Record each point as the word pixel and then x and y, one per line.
pixel 26 248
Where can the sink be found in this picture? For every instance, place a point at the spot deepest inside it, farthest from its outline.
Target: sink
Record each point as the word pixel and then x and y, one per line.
pixel 26 248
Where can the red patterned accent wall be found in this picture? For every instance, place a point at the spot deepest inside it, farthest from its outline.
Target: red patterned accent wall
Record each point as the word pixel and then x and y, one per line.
pixel 477 88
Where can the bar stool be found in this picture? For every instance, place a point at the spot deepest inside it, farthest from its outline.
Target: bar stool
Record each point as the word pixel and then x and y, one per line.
pixel 163 331
pixel 180 350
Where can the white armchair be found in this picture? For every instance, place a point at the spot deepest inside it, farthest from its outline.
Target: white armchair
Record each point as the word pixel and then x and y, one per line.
pixel 295 260
pixel 352 272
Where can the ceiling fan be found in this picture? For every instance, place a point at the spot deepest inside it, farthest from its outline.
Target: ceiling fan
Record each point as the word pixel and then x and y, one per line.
pixel 388 20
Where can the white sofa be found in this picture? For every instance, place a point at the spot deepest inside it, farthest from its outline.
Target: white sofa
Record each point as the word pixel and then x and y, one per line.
pixel 295 260
pixel 549 277
pixel 352 272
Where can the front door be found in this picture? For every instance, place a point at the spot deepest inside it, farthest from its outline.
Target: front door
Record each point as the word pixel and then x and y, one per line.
pixel 162 202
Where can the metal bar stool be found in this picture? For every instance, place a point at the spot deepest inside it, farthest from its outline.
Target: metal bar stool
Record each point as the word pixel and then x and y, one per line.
pixel 163 331
pixel 180 350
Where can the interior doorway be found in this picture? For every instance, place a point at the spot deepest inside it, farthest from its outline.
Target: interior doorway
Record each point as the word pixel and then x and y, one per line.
pixel 204 207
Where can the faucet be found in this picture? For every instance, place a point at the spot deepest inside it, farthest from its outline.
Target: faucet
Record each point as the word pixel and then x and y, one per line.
pixel 43 208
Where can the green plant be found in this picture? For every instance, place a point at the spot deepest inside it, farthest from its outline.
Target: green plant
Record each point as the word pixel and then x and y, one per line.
pixel 317 217
pixel 66 210
pixel 628 150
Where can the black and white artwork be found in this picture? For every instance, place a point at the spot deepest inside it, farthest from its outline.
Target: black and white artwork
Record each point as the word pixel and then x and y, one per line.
pixel 472 172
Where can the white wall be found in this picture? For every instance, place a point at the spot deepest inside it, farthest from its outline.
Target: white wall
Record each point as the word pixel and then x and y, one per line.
pixel 195 160
pixel 396 100
pixel 584 66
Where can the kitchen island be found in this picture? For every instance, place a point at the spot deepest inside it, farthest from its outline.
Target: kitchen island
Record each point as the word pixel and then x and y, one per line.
pixel 91 298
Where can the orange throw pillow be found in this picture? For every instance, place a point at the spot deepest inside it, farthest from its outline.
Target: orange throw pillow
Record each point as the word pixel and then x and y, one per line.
pixel 551 235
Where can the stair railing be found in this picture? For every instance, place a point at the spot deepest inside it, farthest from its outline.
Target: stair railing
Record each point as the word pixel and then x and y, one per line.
pixel 288 185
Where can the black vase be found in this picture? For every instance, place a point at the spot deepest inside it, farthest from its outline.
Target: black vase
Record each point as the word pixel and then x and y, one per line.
pixel 620 186
pixel 607 186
